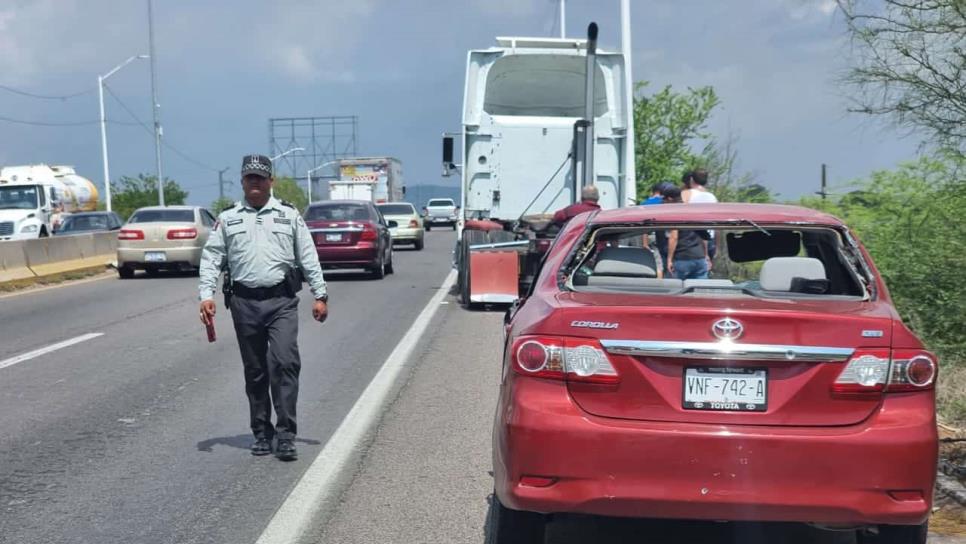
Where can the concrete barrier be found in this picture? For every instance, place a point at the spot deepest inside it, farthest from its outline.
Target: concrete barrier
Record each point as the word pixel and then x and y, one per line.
pixel 13 262
pixel 60 254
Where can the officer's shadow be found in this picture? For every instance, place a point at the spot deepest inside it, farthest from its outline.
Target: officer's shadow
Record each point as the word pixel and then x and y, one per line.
pixel 240 441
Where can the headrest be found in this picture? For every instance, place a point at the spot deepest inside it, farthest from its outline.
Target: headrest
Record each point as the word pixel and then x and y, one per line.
pixel 635 262
pixel 778 272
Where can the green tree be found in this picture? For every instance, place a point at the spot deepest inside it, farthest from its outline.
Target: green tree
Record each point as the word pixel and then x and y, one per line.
pixel 220 204
pixel 910 65
pixel 289 190
pixel 666 124
pixel 130 193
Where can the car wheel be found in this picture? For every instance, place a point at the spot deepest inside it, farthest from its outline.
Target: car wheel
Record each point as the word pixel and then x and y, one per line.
pixel 389 268
pixel 125 272
pixel 429 227
pixel 899 534
pixel 379 271
pixel 419 244
pixel 505 526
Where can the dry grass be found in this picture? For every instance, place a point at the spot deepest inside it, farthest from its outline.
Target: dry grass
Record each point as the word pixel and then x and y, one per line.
pixel 951 394
pixel 20 285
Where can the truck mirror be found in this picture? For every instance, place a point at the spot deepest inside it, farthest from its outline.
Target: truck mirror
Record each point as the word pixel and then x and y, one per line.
pixel 448 164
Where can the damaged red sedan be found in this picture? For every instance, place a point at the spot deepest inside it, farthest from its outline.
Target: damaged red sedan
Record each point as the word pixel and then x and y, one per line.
pixel 784 387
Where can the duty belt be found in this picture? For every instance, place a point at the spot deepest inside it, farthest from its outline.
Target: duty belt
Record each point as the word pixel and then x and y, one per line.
pixel 261 293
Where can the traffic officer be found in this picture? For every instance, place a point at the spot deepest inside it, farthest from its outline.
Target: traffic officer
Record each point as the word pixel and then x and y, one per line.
pixel 268 250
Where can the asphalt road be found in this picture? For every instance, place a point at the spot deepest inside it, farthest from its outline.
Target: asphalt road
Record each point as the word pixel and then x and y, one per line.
pixel 426 476
pixel 141 434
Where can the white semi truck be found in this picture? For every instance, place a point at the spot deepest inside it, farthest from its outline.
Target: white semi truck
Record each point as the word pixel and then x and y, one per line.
pixel 379 179
pixel 34 199
pixel 537 127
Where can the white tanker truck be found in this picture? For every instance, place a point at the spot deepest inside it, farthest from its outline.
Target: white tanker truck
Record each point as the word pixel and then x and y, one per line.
pixel 34 198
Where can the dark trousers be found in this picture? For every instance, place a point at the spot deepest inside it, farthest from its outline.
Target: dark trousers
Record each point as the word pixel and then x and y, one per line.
pixel 267 332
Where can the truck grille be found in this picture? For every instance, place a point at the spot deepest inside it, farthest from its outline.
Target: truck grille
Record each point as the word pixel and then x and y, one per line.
pixel 6 228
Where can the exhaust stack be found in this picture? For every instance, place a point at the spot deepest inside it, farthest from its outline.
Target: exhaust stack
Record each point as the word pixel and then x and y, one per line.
pixel 588 173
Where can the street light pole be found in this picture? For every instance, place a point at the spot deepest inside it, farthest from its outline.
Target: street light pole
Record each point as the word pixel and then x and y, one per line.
pixel 221 183
pixel 286 152
pixel 155 106
pixel 103 119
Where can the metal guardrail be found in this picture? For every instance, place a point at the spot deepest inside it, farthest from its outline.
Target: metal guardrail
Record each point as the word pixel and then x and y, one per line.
pixel 25 259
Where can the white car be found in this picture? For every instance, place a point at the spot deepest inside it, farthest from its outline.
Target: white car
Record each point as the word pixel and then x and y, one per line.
pixel 440 211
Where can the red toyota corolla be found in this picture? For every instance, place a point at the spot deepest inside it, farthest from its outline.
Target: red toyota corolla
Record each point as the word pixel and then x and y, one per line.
pixel 783 388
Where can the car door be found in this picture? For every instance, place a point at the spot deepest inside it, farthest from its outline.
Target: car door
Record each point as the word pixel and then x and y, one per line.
pixel 385 237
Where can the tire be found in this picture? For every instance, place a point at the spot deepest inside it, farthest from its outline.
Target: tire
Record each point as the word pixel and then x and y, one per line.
pixel 454 226
pixel 429 227
pixel 43 233
pixel 388 267
pixel 153 272
pixel 125 272
pixel 470 237
pixel 379 271
pixel 419 244
pixel 900 534
pixel 505 526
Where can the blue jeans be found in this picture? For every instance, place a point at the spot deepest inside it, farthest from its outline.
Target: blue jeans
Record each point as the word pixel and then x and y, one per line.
pixel 691 269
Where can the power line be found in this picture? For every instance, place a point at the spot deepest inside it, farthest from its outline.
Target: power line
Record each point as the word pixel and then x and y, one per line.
pixel 64 124
pixel 150 131
pixel 14 90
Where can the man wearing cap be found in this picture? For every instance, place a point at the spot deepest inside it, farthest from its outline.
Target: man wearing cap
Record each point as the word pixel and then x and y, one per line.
pixel 265 244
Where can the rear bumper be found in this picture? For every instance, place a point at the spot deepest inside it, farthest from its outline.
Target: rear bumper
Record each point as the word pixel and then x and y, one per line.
pixel 845 475
pixel 407 234
pixel 357 256
pixel 174 257
pixel 440 220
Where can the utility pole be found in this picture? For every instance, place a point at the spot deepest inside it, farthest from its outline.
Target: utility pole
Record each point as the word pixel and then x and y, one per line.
pixel 823 193
pixel 563 19
pixel 221 183
pixel 155 106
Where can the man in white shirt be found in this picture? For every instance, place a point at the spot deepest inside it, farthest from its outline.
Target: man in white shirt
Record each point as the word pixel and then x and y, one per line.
pixel 696 192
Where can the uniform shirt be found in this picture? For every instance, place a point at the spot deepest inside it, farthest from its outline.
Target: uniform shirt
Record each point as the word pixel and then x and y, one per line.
pixel 260 246
pixel 568 213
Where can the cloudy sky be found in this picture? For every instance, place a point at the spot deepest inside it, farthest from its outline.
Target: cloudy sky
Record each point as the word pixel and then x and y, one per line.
pixel 226 66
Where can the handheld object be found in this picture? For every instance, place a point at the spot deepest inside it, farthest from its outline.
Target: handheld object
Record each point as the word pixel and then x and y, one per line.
pixel 210 329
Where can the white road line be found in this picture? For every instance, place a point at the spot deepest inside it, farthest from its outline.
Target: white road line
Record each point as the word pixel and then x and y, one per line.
pixel 321 482
pixel 53 347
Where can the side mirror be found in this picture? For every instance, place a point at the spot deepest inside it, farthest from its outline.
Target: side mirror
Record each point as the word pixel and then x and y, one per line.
pixel 393 224
pixel 448 164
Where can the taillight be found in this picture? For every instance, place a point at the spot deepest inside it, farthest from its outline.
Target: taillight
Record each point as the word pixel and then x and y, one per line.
pixel 183 234
pixel 368 233
pixel 413 224
pixel 562 358
pixel 130 234
pixel 912 370
pixel 874 371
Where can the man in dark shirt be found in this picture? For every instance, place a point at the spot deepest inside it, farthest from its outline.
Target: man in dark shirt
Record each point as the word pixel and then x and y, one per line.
pixel 588 202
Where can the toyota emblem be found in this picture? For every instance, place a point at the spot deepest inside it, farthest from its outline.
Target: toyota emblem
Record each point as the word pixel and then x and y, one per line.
pixel 727 329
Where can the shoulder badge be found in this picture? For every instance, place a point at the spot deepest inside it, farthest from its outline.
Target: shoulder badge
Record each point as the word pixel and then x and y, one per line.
pixel 287 204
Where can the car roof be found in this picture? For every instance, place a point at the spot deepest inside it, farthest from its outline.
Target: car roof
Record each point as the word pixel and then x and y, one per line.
pixel 168 208
pixel 357 202
pixel 716 212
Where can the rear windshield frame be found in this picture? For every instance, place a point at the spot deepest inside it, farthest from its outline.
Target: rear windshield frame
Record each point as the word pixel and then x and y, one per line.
pixel 183 216
pixel 850 255
pixel 340 205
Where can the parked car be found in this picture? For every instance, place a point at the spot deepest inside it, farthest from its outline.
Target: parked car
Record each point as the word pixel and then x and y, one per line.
pixel 410 229
pixel 785 388
pixel 87 222
pixel 351 234
pixel 440 211
pixel 163 238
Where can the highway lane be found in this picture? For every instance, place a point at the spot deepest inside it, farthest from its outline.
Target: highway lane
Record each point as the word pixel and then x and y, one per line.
pixel 140 435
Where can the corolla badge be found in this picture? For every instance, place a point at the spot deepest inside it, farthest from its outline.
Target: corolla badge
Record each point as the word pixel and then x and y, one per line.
pixel 593 325
pixel 727 329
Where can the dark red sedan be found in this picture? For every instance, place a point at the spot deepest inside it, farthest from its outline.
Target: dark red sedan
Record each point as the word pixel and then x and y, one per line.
pixel 784 387
pixel 351 234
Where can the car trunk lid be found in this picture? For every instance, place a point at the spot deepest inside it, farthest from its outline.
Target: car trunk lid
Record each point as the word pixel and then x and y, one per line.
pixel 336 233
pixel 674 367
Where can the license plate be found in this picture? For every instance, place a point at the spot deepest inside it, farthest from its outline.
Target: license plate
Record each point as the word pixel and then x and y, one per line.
pixel 155 256
pixel 333 237
pixel 734 389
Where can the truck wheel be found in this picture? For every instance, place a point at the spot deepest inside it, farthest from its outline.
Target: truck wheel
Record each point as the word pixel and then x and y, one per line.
pixel 43 232
pixel 125 272
pixel 470 237
pixel 506 526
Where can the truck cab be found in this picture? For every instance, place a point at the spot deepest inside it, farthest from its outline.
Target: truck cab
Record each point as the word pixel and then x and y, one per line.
pixel 25 211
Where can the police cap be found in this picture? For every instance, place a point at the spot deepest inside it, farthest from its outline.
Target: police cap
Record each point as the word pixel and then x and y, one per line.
pixel 259 165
